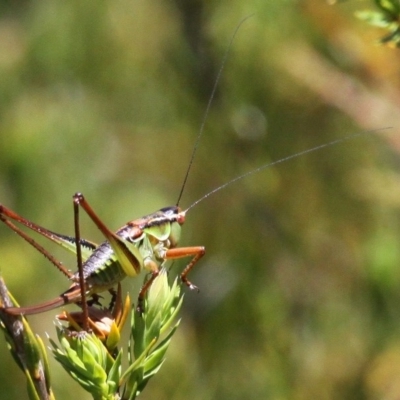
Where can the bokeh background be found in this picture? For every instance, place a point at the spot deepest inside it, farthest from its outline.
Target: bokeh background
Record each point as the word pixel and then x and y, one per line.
pixel 300 286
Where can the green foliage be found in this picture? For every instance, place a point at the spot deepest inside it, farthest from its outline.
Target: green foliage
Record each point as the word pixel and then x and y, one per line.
pixel 388 18
pixel 146 350
pixel 27 349
pixel 88 359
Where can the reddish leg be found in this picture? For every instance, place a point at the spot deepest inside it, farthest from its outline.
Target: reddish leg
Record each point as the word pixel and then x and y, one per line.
pixel 6 214
pixel 70 296
pixel 73 295
pixel 194 251
pixel 125 255
pixel 82 283
pixel 144 289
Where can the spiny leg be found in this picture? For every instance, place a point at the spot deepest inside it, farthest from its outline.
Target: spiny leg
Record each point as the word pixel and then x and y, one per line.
pixel 143 290
pixel 72 295
pixel 195 251
pixel 123 253
pixel 82 282
pixel 6 213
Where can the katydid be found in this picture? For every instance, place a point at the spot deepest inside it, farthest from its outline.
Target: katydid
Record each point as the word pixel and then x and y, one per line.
pixel 146 243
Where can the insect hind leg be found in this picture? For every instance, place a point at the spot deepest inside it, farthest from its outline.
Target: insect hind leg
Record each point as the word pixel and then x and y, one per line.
pixel 6 215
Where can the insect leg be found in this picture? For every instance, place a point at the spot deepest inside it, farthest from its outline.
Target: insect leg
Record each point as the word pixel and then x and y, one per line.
pixel 154 271
pixel 195 251
pixel 6 214
pixel 82 283
pixel 129 262
pixel 70 296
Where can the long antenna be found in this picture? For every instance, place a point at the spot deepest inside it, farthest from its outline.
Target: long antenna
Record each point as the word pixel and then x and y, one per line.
pixel 203 121
pixel 287 158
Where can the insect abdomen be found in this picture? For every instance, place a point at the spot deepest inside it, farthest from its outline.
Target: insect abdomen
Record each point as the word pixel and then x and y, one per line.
pixel 102 270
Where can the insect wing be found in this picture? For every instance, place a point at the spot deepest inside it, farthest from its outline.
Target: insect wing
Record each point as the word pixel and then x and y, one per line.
pixel 127 254
pixel 69 243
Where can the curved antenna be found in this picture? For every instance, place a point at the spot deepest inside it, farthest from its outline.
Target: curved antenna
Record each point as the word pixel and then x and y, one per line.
pixel 282 160
pixel 203 121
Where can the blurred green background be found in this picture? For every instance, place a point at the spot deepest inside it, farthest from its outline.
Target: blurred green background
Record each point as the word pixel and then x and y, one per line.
pixel 300 284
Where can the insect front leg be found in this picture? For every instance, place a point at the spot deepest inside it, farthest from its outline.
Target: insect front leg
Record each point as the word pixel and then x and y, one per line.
pixel 194 251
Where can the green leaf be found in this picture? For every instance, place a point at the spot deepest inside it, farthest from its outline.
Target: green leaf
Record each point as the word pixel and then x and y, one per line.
pixel 114 375
pixel 374 18
pixel 391 7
